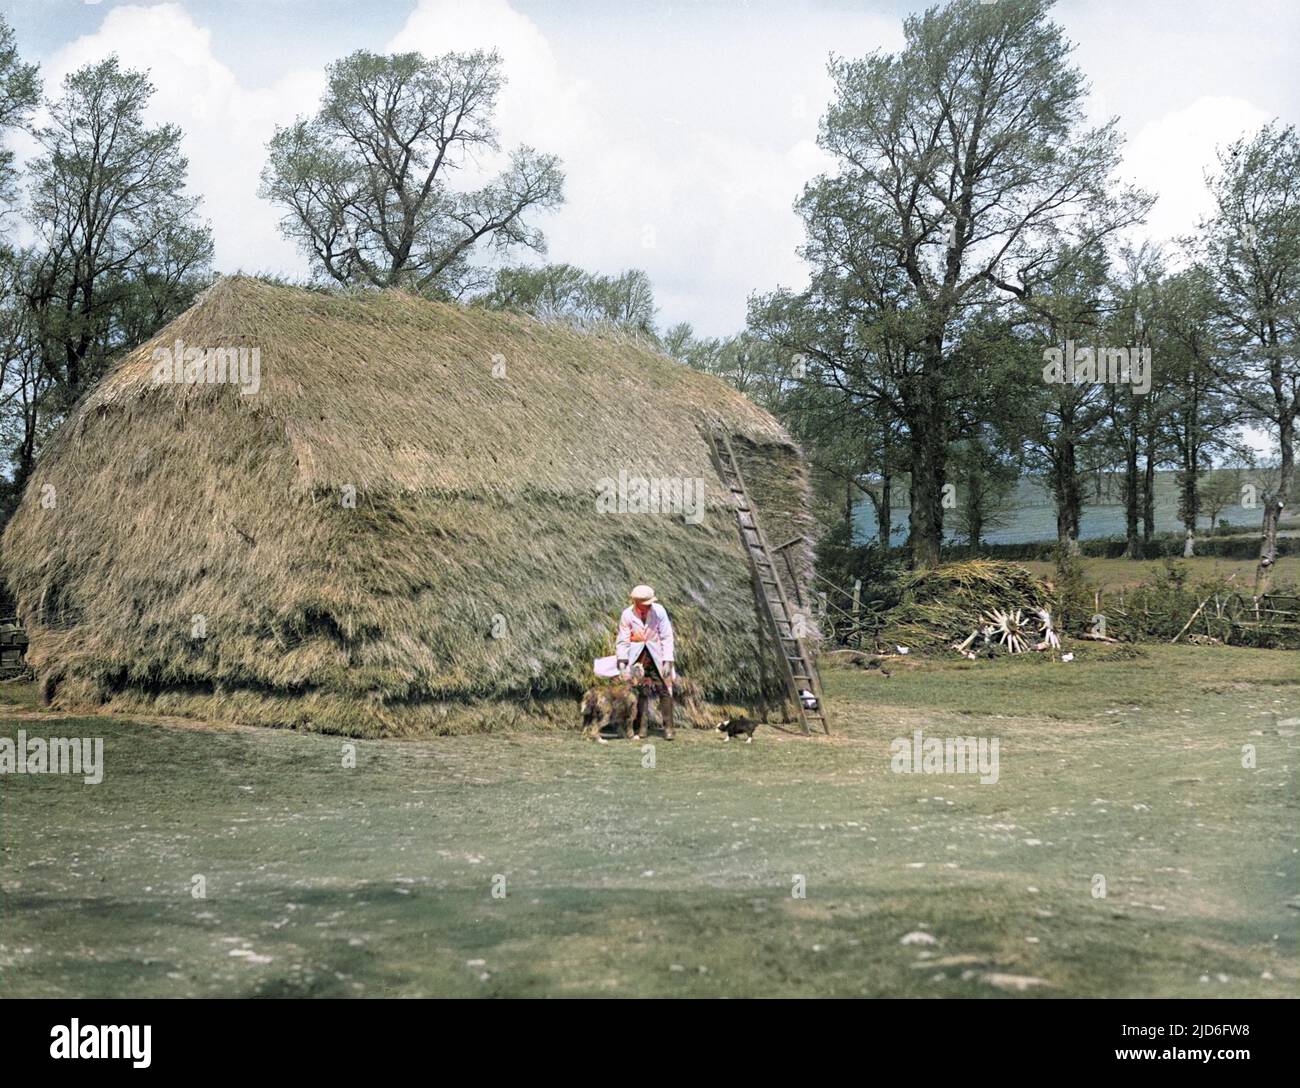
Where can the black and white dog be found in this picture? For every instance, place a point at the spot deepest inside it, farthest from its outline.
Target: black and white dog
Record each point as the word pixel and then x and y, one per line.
pixel 734 727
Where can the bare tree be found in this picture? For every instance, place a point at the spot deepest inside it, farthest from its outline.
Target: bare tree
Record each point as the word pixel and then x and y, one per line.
pixel 365 182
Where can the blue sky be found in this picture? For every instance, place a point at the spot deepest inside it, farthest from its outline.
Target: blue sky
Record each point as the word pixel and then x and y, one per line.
pixel 687 127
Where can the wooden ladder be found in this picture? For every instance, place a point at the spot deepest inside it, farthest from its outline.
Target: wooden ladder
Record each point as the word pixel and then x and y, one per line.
pixel 797 663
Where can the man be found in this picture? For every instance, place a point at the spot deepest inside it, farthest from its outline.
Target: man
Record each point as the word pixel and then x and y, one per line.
pixel 645 637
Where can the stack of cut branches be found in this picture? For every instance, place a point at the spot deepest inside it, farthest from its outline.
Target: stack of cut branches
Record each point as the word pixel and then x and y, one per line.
pixel 938 607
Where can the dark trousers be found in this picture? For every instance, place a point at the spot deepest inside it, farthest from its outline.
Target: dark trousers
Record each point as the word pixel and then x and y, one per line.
pixel 643 696
pixel 653 686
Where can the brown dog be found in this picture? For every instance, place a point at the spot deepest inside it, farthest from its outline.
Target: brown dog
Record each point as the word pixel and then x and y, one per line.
pixel 609 704
pixel 615 704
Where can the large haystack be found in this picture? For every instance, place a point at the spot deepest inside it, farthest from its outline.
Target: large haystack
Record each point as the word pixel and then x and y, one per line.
pixel 189 548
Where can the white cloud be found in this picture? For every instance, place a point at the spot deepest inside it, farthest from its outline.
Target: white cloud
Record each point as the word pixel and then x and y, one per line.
pixel 226 125
pixel 659 172
pixel 1170 157
pixel 690 127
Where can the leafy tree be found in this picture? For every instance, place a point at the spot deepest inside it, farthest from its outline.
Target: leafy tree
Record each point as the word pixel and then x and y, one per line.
pixel 1218 491
pixel 109 204
pixel 20 387
pixel 678 340
pixel 1250 245
pixel 760 370
pixel 987 454
pixel 566 291
pixel 119 252
pixel 1133 416
pixel 983 479
pixel 366 182
pixel 1200 418
pixel 1061 419
pixel 20 90
pixel 25 383
pixel 963 171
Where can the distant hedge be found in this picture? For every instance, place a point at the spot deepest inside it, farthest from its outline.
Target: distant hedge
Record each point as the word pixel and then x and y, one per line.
pixel 1162 545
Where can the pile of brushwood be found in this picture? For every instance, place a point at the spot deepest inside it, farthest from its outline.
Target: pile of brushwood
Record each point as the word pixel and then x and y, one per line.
pixel 1001 604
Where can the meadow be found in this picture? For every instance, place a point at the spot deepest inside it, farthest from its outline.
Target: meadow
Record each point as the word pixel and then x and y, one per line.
pixel 1124 851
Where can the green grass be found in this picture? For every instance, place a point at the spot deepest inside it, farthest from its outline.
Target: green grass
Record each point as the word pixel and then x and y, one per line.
pixel 676 880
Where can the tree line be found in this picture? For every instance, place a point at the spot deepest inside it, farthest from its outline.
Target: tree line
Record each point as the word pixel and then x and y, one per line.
pixel 977 308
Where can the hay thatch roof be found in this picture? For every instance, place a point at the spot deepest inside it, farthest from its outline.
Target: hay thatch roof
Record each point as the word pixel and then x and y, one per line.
pixel 475 498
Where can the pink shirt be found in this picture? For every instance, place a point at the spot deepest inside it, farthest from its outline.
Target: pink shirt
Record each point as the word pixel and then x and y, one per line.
pixel 654 633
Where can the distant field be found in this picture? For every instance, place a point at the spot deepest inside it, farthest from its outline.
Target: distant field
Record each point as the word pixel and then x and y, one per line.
pixel 677 879
pixel 1028 513
pixel 1125 573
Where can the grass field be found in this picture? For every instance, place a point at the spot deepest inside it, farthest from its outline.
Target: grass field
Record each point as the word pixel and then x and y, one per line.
pixel 677 879
pixel 1112 574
